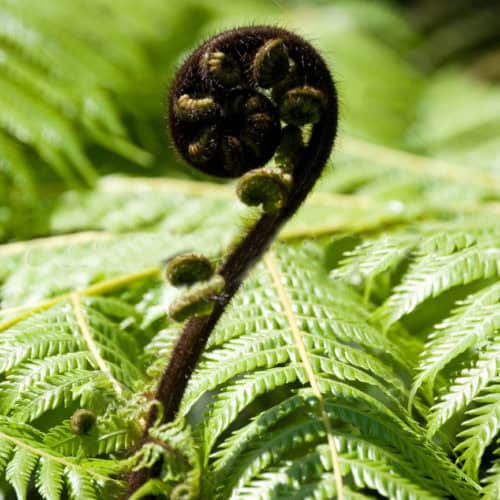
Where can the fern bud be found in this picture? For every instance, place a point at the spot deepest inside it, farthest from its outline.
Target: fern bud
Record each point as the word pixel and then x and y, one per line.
pixel 302 105
pixel 181 492
pixel 198 300
pixel 188 269
pixel 290 81
pixel 193 110
pixel 233 154
pixel 221 69
pixel 257 126
pixel 271 63
pixel 264 186
pixel 82 421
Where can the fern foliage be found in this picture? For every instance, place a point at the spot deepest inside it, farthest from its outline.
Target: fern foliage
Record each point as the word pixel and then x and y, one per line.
pixel 367 341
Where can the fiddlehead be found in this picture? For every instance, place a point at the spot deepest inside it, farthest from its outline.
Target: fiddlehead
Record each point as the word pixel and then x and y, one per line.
pixel 82 421
pixel 240 99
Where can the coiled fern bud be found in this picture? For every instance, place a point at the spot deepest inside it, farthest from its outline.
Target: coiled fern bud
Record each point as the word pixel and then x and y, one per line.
pixel 231 96
pixel 189 268
pixel 82 421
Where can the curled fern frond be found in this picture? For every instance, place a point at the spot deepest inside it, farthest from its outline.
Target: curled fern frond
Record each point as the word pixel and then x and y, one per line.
pixel 222 123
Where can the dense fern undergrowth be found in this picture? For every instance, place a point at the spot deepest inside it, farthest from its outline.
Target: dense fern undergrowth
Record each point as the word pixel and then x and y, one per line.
pixel 371 327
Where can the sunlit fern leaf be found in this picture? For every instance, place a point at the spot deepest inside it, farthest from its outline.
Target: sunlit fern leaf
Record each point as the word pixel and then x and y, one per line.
pixel 21 379
pixel 50 478
pixel 371 467
pixel 492 480
pixel 373 257
pixel 465 387
pixel 80 486
pixel 321 307
pixel 112 434
pixel 470 325
pixel 53 392
pixel 50 466
pixel 20 470
pixel 47 272
pixel 412 446
pixel 19 343
pixel 254 355
pixel 480 426
pixel 323 320
pixel 121 204
pixel 406 185
pixel 434 273
pixel 65 354
pixel 226 457
pixel 385 427
pixel 451 241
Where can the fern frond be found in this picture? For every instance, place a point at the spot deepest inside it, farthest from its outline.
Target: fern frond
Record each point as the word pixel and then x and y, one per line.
pixel 313 361
pixel 41 41
pixel 53 392
pixel 173 446
pixel 63 355
pixel 113 434
pixel 253 358
pixel 480 426
pixel 410 442
pixel 370 467
pixel 20 469
pixel 466 386
pixel 492 480
pixel 31 373
pixel 434 273
pixel 469 325
pixel 50 478
pixel 374 257
pixel 93 266
pixel 23 449
pixel 80 486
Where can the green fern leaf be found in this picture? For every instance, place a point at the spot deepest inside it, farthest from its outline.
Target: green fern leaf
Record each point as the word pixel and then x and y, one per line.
pixel 49 466
pixel 20 470
pixel 470 324
pixel 435 273
pixel 480 427
pixel 466 386
pixel 492 481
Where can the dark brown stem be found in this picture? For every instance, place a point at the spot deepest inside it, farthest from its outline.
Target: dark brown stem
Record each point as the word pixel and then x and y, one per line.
pixel 250 249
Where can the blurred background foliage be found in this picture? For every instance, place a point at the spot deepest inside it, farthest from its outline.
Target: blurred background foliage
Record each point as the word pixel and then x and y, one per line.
pixel 83 86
